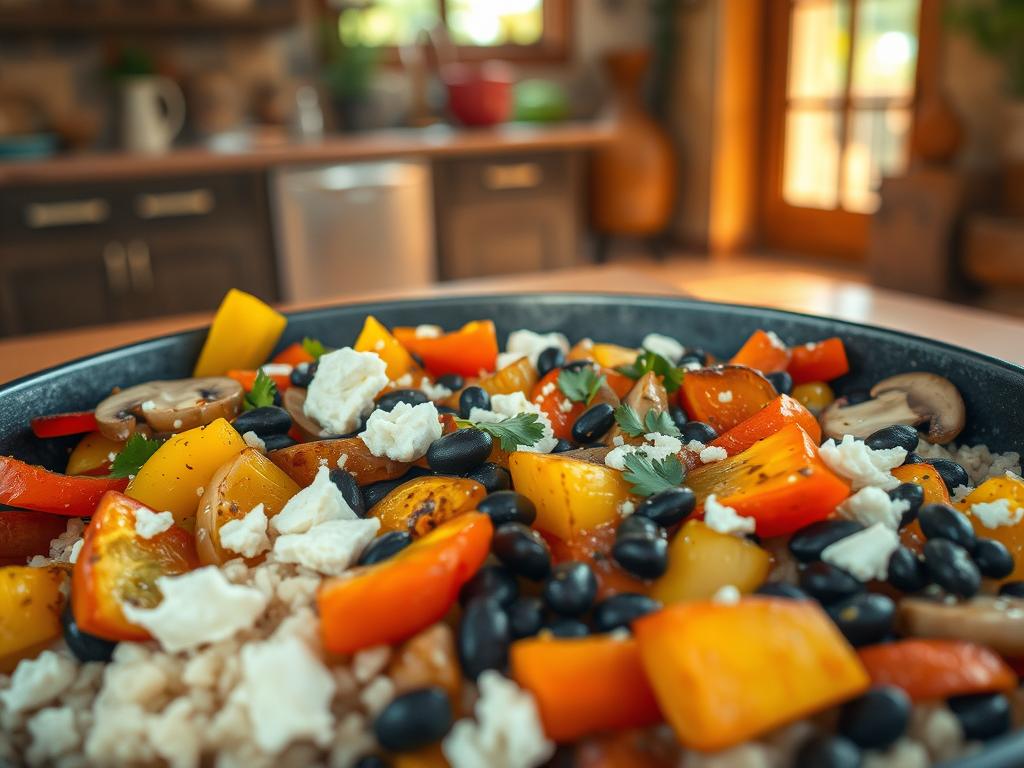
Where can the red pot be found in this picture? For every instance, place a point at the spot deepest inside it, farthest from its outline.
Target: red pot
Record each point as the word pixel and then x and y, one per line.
pixel 479 94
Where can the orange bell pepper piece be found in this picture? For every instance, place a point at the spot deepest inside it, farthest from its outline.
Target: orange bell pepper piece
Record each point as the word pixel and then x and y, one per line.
pixel 468 351
pixel 248 378
pixel 937 669
pixel 31 600
pixel 375 337
pixel 32 487
pixel 585 685
pixel 726 673
pixel 1012 536
pixel 293 355
pixel 780 481
pixel 24 534
pixel 724 396
pixel 778 413
pixel 92 455
pixel 764 352
pixel 818 361
pixel 935 492
pixel 395 599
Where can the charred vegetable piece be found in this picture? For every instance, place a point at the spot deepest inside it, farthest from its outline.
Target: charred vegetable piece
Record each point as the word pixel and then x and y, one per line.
pixel 519 376
pixel 31 600
pixel 467 351
pixel 818 361
pixel 301 462
pixel 31 487
pixel 774 416
pixel 763 351
pixel 725 395
pixel 421 505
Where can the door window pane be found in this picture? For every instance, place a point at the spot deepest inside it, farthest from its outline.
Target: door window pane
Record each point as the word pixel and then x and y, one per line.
pixel 885 51
pixel 811 170
pixel 495 22
pixel 819 40
pixel 876 147
pixel 387 22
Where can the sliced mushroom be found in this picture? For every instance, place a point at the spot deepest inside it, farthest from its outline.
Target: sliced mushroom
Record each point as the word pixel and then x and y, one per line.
pixel 294 401
pixel 648 394
pixel 169 406
pixel 995 622
pixel 914 399
pixel 589 455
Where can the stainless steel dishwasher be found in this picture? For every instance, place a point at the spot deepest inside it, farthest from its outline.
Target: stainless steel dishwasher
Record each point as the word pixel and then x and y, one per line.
pixel 353 228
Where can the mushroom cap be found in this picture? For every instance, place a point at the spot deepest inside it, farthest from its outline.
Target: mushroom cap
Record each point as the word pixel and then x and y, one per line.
pixel 294 401
pixel 862 419
pixel 931 395
pixel 995 622
pixel 168 406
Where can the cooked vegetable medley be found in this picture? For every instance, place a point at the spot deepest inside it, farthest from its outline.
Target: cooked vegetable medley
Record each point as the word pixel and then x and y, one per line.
pixel 417 550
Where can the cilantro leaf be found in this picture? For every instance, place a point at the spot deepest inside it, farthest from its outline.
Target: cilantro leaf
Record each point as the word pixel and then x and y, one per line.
pixel 262 394
pixel 314 347
pixel 524 430
pixel 648 361
pixel 629 420
pixel 135 453
pixel 660 421
pixel 580 385
pixel 651 477
pixel 654 421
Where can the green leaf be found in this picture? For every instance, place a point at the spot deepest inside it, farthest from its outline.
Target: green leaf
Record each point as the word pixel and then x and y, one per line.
pixel 651 477
pixel 660 421
pixel 135 453
pixel 314 347
pixel 654 421
pixel 648 361
pixel 262 394
pixel 522 431
pixel 580 385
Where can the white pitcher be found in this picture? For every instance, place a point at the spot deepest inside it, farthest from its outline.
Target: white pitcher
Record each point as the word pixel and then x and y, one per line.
pixel 152 113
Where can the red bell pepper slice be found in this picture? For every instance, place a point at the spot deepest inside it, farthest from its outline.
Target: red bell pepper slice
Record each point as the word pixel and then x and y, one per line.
pixel 33 487
pixel 61 424
pixel 764 352
pixel 293 355
pixel 467 351
pixel 24 534
pixel 551 404
pixel 248 378
pixel 818 361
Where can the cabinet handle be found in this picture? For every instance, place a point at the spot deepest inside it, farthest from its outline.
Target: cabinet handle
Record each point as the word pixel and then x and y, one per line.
pixel 66 213
pixel 116 262
pixel 500 176
pixel 140 268
pixel 163 205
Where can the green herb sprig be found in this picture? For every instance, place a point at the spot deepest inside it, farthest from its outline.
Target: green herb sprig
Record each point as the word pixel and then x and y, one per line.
pixel 522 431
pixel 262 394
pixel 580 385
pixel 135 453
pixel 654 421
pixel 313 347
pixel 652 476
pixel 648 361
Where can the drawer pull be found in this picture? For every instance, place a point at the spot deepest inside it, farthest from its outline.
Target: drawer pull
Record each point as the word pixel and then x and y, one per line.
pixel 501 176
pixel 67 213
pixel 140 268
pixel 116 262
pixel 163 205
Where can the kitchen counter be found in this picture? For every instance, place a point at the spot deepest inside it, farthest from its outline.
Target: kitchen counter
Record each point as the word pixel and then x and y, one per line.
pixel 432 141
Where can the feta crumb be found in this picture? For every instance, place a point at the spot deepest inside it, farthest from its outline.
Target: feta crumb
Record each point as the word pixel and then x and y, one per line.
pixel 328 548
pixel 618 440
pixel 725 519
pixel 862 465
pixel 565 406
pixel 403 434
pixel 657 447
pixel 149 523
pixel 727 595
pixel 246 536
pixel 76 549
pixel 864 554
pixel 148 406
pixel 427 331
pixel 505 359
pixel 370 662
pixel 111 456
pixel 344 388
pixel 506 731
pixel 996 514
pixel 276 369
pixel 377 695
pixel 434 391
pixel 53 733
pixel 696 446
pixel 342 460
pixel 665 346
pixel 177 424
pixel 507 406
pixel 254 441
pixel 725 396
pixel 38 681
pixel 319 502
pixel 405 380
pixel 960 493
pixel 713 453
pixel 525 343
pixel 626 508
pixel 775 341
pixel 872 505
pixel 548 388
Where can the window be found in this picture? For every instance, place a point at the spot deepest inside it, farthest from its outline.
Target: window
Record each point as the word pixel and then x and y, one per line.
pixel 840 116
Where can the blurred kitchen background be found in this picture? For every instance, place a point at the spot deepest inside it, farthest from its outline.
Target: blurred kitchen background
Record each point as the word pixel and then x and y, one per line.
pixel 154 153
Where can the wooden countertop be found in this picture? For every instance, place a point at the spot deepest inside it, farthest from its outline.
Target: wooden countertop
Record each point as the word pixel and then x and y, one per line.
pixel 433 141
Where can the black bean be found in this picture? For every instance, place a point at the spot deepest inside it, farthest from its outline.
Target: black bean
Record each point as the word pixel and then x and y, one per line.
pixel 522 550
pixel 414 719
pixel 982 716
pixel 1012 589
pixel 894 436
pixel 913 495
pixel 265 421
pixel 492 581
pixel 865 618
pixel 876 719
pixel 809 542
pixel 446 409
pixel 508 507
pixel 641 556
pixel 374 492
pixel 697 430
pixel 824 751
pixel 678 415
pixel 906 571
pixel 668 507
pixel 570 589
pixel 565 627
pixel 827 583
pixel 484 637
pixel 473 397
pixel 562 446
pixel 621 610
pixel 277 442
pixel 549 359
pixel 781 589
pixel 302 374
pixel 993 559
pixel 576 365
pixel 350 490
pixel 914 458
pixel 459 451
pixel 371 761
pixel 525 617
pixel 638 525
pixel 452 381
pixel 384 547
pixel 387 402
pixel 593 423
pixel 782 382
pixel 941 521
pixel 491 477
pixel 952 474
pixel 951 567
pixel 84 646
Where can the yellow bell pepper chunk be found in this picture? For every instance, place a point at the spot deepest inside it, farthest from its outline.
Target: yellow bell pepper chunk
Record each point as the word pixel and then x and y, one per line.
pixel 242 336
pixel 176 476
pixel 375 337
pixel 996 489
pixel 30 604
pixel 612 355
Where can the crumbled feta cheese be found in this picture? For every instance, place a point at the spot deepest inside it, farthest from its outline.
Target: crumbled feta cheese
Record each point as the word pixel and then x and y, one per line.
pixel 775 341
pixel 254 441
pixel 434 391
pixel 713 453
pixel 287 692
pixel 657 447
pixel 54 733
pixel 862 465
pixel 149 523
pixel 198 607
pixel 725 396
pixel 872 505
pixel 38 681
pixel 148 406
pixel 276 369
pixel 626 508
pixel 405 380
pixel 618 440
pixel 665 346
pixel 725 519
pixel 505 359
pixel 427 331
pixel 342 460
pixel 377 695
pixel 506 731
pixel 344 388
pixel 996 514
pixel 696 446
pixel 76 549
pixel 328 548
pixel 960 493
pixel 177 424
pixel 727 595
pixel 565 406
pixel 370 662
pixel 402 434
pixel 692 365
pixel 864 554
pixel 508 406
pixel 524 343
pixel 246 536
pixel 315 504
pixel 548 388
